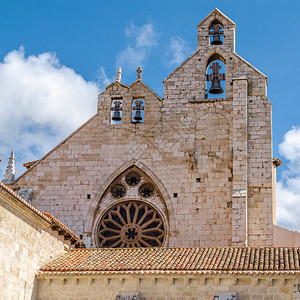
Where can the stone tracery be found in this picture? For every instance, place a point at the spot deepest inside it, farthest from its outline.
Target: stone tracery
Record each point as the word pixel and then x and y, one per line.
pixel 134 217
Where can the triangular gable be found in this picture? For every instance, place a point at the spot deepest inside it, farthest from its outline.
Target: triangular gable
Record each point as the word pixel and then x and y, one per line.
pixel 56 147
pixel 215 13
pixel 180 66
pixel 117 83
pixel 233 53
pixel 147 87
pixel 249 65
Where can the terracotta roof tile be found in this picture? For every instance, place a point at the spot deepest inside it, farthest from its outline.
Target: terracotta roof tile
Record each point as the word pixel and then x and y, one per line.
pixel 61 227
pixel 49 218
pixel 18 198
pixel 229 260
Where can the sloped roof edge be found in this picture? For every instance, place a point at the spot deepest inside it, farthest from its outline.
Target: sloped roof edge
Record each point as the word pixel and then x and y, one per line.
pixel 147 87
pixel 50 220
pixel 24 203
pixel 62 227
pixel 181 65
pixel 247 63
pixel 53 149
pixel 222 260
pixel 216 11
pixel 117 82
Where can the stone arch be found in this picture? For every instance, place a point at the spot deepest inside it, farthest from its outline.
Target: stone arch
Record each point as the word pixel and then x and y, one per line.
pixel 215 76
pixel 205 111
pixel 215 56
pixel 215 21
pixel 216 32
pixel 92 213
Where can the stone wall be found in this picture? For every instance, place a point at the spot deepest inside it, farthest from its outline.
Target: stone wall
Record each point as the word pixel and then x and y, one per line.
pixel 211 159
pixel 26 245
pixel 169 287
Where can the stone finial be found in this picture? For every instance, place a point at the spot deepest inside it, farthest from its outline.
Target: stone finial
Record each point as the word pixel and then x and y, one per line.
pixel 118 76
pixel 139 73
pixel 10 173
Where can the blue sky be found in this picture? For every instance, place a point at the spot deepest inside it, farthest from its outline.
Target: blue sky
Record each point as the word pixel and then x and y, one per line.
pixel 71 49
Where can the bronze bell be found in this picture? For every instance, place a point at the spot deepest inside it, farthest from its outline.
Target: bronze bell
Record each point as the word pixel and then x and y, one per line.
pixel 138 116
pixel 215 87
pixel 216 39
pixel 116 116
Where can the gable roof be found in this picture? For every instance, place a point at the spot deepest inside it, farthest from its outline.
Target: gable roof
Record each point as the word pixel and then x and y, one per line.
pixel 233 53
pixel 47 219
pixel 147 87
pixel 53 149
pixel 68 234
pixel 23 203
pixel 213 260
pixel 217 12
pixel 117 83
pixel 181 65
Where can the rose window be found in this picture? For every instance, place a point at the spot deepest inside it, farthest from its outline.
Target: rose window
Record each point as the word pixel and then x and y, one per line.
pixel 131 224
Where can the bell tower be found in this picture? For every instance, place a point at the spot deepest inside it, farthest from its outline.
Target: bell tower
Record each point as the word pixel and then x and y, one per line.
pixel 216 30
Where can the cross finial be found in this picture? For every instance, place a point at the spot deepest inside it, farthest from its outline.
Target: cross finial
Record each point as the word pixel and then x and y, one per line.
pixel 139 73
pixel 118 76
pixel 10 173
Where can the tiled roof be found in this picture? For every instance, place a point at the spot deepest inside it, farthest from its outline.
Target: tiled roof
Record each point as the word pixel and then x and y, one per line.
pixel 64 230
pixel 21 200
pixel 215 260
pixel 55 224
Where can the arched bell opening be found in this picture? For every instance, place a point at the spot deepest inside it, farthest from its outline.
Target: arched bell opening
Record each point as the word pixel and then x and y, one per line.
pixel 131 213
pixel 138 110
pixel 215 77
pixel 216 33
pixel 116 111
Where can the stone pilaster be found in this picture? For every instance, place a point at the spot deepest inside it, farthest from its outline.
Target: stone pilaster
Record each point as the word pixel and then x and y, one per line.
pixel 239 144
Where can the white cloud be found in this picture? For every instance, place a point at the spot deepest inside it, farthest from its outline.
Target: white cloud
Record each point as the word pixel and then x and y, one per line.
pixel 41 103
pixel 141 41
pixel 103 79
pixel 288 187
pixel 179 51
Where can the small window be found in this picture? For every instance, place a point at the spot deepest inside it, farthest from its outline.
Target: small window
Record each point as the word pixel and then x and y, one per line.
pixel 138 106
pixel 116 111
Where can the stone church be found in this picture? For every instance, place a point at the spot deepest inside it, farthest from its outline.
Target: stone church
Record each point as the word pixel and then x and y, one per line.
pixel 183 186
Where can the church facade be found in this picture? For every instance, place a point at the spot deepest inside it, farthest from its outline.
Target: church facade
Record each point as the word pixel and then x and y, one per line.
pixel 200 158
pixel 191 170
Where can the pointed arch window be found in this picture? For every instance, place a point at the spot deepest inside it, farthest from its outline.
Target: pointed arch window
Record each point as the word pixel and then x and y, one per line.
pixel 132 219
